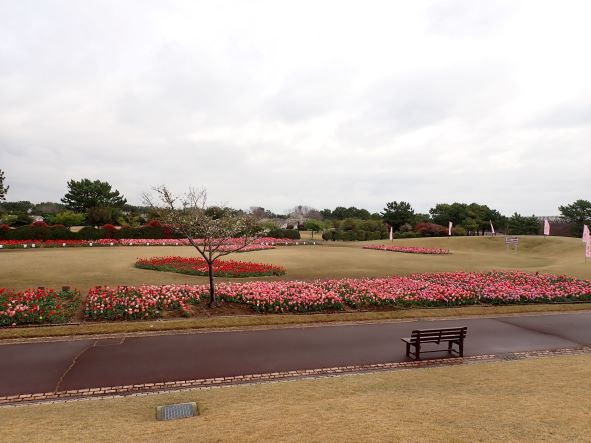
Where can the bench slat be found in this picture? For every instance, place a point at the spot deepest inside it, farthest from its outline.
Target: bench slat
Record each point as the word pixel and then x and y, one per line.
pixel 437 334
pixel 455 335
pixel 459 328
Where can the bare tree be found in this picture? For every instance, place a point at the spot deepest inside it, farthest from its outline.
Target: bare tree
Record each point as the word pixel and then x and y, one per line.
pixel 209 229
pixel 305 212
pixel 3 189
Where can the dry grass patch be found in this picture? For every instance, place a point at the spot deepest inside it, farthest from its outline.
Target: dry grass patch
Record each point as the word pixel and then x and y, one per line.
pixel 83 268
pixel 531 400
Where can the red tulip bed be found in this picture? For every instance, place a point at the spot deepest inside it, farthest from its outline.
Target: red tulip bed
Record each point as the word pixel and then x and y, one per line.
pixel 436 289
pixel 439 289
pixel 198 266
pixel 259 244
pixel 24 244
pixel 139 303
pixel 37 306
pixel 409 249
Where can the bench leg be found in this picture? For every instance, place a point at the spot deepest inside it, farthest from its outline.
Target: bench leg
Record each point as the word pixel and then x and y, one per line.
pixel 418 351
pixel 408 349
pixel 461 344
pixel 449 346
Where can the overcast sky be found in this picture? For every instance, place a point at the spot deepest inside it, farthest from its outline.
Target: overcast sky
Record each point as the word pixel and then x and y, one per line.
pixel 304 102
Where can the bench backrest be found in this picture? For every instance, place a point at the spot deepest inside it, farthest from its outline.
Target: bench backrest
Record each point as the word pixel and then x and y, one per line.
pixel 437 335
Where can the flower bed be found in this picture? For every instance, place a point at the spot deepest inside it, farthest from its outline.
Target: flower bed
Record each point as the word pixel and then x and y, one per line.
pixel 198 266
pixel 409 249
pixel 513 287
pixel 37 306
pixel 290 296
pixel 64 243
pixel 24 244
pixel 437 289
pixel 259 244
pixel 154 242
pixel 139 303
pixel 19 244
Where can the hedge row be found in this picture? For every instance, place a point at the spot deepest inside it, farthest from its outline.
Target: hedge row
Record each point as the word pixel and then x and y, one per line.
pixel 293 234
pixel 356 235
pixel 87 233
pixel 40 232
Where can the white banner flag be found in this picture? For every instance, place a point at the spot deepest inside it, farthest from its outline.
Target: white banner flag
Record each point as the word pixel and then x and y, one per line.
pixel 546 227
pixel 449 228
pixel 492 228
pixel 391 233
pixel 585 233
pixel 588 248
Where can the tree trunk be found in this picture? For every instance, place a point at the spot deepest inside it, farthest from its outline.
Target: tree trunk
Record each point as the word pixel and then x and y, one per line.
pixel 212 297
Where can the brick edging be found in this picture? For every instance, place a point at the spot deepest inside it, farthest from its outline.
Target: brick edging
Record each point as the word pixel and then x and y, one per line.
pixel 162 387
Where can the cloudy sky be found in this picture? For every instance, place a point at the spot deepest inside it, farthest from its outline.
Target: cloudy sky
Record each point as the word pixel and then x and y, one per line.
pixel 323 103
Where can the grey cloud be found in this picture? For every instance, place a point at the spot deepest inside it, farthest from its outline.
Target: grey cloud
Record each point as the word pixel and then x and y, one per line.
pixel 305 95
pixel 139 94
pixel 465 18
pixel 419 100
pixel 574 114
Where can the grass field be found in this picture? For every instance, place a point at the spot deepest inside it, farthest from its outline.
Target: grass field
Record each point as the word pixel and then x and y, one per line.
pixel 529 400
pixel 83 268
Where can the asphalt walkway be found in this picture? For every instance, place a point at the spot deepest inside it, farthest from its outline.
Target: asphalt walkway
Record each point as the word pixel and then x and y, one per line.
pixel 92 363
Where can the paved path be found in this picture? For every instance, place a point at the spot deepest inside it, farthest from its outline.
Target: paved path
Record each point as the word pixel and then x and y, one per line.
pixel 92 363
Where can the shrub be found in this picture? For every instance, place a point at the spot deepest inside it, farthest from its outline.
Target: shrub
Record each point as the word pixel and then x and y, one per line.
pixel 360 235
pixel 128 232
pixel 39 224
pixel 20 233
pixel 8 219
pixel 458 230
pixel 330 234
pixel 90 233
pixel 428 229
pixel 21 220
pixel 284 233
pixel 148 231
pixel 99 216
pixel 58 233
pixel 373 236
pixel 109 229
pixel 410 234
pixel 67 218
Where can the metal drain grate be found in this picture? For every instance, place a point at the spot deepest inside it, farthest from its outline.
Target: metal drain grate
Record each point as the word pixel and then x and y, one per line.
pixel 173 412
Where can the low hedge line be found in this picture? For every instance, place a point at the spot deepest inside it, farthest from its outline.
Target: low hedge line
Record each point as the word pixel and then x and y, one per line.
pixel 155 231
pixel 355 235
pixel 293 234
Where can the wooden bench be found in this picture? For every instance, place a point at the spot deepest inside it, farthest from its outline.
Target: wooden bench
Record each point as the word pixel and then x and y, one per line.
pixel 450 335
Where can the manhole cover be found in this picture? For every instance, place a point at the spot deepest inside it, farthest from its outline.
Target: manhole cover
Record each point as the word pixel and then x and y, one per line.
pixel 173 412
